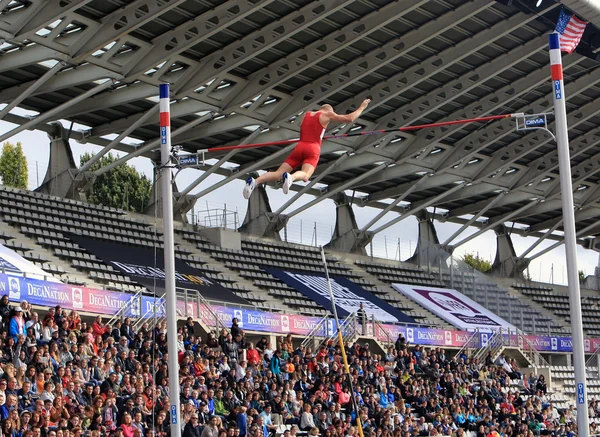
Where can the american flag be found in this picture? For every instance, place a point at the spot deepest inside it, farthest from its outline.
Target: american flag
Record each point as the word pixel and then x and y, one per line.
pixel 571 29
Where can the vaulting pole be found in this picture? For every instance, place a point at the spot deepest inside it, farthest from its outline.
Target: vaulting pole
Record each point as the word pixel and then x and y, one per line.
pixel 342 346
pixel 566 188
pixel 169 252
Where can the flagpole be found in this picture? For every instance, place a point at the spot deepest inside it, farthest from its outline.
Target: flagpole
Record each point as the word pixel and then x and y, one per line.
pixel 566 188
pixel 165 177
pixel 342 346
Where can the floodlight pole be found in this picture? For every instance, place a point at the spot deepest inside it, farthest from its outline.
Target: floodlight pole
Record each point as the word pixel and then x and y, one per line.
pixel 566 187
pixel 165 176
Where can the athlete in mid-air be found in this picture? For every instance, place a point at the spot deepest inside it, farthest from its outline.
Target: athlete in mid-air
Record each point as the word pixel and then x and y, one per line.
pixel 308 150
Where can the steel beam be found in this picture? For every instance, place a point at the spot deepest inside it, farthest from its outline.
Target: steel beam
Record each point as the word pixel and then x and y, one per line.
pixel 123 21
pixel 586 212
pixel 530 142
pixel 179 109
pixel 417 208
pixel 31 89
pixel 546 164
pixel 147 147
pixel 263 39
pixel 215 127
pixel 192 32
pixel 495 222
pixel 52 10
pixel 318 90
pixel 561 242
pixel 426 182
pixel 536 139
pixel 334 189
pixel 540 240
pixel 52 113
pixel 392 205
pixel 464 149
pixel 300 60
pixel 473 219
pixel 422 106
pixel 70 78
pixel 116 141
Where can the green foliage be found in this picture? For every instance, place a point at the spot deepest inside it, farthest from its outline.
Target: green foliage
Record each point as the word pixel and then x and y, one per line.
pixel 477 263
pixel 122 187
pixel 13 166
pixel 581 276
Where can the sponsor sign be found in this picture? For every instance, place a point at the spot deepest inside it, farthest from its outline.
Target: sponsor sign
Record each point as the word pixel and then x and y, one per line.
pixel 188 160
pixel 138 263
pixel 348 295
pixel 535 122
pixel 46 293
pixel 557 90
pixel 580 393
pixel 454 307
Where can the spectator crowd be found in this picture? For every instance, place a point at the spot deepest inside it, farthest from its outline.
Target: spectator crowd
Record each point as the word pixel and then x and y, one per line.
pixel 64 377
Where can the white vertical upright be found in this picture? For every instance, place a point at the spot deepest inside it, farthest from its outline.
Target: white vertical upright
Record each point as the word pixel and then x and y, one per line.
pixel 566 188
pixel 169 251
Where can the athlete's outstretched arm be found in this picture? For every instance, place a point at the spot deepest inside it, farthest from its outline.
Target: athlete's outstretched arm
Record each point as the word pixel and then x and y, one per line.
pixel 347 118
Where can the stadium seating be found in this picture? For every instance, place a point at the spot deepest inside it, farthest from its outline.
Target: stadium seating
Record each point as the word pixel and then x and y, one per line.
pixel 558 303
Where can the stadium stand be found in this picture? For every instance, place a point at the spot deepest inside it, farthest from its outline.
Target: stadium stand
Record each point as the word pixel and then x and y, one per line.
pixel 37 227
pixel 66 376
pixel 558 302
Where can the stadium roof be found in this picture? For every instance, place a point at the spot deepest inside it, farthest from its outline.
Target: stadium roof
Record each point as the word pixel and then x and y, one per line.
pixel 244 70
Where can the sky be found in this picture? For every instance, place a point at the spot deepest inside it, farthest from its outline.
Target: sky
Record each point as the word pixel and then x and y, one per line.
pixel 318 220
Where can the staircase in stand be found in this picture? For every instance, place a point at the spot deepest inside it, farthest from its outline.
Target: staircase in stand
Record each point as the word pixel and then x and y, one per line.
pixel 483 344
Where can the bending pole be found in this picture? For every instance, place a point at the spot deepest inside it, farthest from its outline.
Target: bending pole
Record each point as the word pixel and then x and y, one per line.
pixel 566 187
pixel 360 134
pixel 341 342
pixel 169 253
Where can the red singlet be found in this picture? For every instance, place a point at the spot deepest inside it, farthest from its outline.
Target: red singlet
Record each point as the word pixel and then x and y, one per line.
pixel 308 149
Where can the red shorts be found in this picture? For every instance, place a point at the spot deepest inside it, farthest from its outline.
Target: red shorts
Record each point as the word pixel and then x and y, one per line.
pixel 304 153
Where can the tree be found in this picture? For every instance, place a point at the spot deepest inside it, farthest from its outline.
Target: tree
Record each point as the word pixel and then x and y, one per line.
pixel 122 187
pixel 13 166
pixel 581 276
pixel 477 263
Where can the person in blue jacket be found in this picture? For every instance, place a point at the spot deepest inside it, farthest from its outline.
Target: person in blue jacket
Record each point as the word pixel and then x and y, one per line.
pixel 16 326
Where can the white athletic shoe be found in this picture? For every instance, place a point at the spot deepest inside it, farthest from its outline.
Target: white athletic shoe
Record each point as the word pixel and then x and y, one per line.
pixel 287 182
pixel 249 187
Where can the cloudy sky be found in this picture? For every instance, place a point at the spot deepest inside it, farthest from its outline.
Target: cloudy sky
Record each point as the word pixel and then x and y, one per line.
pixel 400 237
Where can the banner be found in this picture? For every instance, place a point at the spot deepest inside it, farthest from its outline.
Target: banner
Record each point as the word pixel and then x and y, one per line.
pixel 141 265
pixel 14 264
pixel 454 307
pixel 46 293
pixel 348 295
pixel 49 294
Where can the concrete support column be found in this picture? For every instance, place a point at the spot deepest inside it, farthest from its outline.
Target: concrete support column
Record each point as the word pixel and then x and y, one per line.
pixel 428 251
pixel 506 262
pixel 260 219
pixel 60 180
pixel 346 236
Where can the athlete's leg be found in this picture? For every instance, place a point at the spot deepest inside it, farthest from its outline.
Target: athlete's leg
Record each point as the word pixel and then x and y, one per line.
pixel 305 173
pixel 271 176
pixel 274 176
